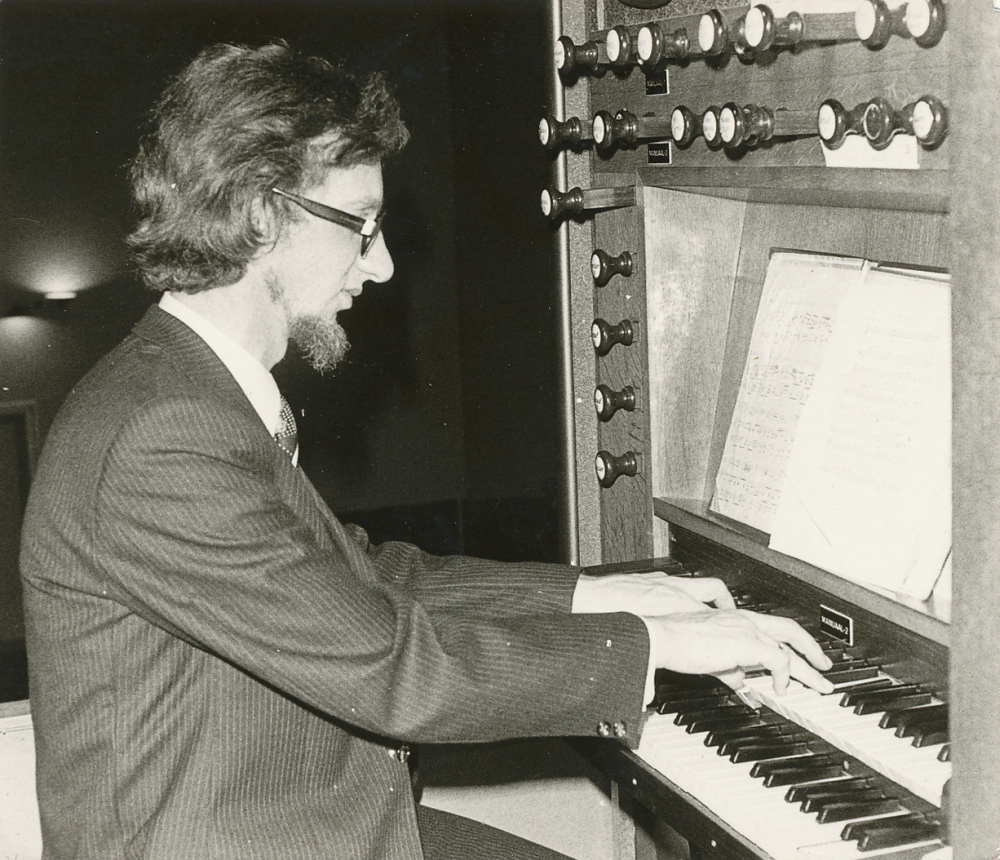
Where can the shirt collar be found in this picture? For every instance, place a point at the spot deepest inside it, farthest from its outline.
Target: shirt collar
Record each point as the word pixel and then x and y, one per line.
pixel 256 381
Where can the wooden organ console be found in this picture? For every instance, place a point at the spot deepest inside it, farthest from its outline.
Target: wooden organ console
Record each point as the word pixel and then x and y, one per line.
pixel 719 131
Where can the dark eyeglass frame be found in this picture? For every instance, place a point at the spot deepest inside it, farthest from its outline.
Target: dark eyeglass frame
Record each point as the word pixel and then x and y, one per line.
pixel 367 228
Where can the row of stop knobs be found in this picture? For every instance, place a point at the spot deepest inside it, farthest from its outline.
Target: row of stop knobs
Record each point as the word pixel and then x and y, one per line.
pixel 750 33
pixel 733 125
pixel 606 336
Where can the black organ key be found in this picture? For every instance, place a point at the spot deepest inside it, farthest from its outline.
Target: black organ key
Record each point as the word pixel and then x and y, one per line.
pixel 735 739
pixel 723 709
pixel 890 832
pixel 847 811
pixel 675 704
pixel 805 768
pixel 849 676
pixel 869 701
pixel 759 752
pixel 945 753
pixel 902 720
pixel 712 722
pixel 802 792
pixel 897 703
pixel 931 735
pixel 925 725
pixel 848 663
pixel 822 800
pixel 748 734
pixel 669 684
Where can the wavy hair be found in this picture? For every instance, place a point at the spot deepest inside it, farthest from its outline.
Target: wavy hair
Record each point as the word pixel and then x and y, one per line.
pixel 234 123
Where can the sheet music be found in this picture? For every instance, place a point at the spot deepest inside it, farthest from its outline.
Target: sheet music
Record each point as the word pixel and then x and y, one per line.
pixel 867 493
pixel 801 298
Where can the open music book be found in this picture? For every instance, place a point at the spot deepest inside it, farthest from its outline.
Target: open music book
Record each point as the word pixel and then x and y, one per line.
pixel 840 442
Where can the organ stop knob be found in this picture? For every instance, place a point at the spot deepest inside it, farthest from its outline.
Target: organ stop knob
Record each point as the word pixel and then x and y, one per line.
pixel 835 122
pixel 577 200
pixel 552 133
pixel 620 46
pixel 607 401
pixel 604 267
pixel 610 468
pixel 606 336
pixel 572 59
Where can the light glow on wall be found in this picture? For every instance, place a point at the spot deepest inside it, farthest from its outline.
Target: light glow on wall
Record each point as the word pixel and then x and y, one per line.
pixel 58 261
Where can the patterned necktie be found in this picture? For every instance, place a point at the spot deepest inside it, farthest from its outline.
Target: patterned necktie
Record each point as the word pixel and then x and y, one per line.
pixel 287 436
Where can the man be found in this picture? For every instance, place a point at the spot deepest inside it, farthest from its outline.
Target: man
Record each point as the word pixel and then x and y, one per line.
pixel 221 669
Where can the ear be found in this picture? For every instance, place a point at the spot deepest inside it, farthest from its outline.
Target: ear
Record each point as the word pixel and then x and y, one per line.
pixel 265 219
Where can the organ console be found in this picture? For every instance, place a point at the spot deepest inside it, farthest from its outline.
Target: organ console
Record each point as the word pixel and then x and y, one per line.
pixel 902 760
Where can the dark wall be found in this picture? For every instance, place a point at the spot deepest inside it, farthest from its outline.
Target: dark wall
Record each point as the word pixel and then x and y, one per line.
pixel 442 423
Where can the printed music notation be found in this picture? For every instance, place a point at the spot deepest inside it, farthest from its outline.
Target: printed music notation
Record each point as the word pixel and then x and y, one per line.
pixel 800 300
pixel 840 445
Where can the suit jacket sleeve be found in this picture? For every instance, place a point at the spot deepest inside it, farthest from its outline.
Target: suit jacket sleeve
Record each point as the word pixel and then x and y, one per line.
pixel 202 527
pixel 472 585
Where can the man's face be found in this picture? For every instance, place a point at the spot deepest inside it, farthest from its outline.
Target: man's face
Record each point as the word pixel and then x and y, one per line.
pixel 316 269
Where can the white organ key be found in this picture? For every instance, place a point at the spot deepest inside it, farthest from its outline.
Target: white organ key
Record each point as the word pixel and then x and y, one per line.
pixel 915 768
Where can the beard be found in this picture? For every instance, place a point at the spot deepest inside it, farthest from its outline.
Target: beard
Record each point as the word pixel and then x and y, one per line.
pixel 322 341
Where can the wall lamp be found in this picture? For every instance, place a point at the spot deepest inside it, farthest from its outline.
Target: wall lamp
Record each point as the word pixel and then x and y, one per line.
pixel 40 304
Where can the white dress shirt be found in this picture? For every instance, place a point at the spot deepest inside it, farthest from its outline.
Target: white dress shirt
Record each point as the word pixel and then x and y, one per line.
pixel 256 380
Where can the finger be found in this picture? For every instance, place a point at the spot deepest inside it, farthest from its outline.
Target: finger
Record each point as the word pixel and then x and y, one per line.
pixel 776 659
pixel 735 679
pixel 789 632
pixel 716 593
pixel 707 589
pixel 802 671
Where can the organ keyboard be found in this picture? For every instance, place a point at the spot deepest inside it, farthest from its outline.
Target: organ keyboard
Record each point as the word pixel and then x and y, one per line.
pixel 861 772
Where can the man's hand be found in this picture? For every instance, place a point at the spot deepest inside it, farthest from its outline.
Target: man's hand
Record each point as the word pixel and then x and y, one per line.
pixel 649 594
pixel 730 642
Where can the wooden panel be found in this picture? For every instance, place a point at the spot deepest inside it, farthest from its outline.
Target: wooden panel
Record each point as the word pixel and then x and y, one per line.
pixel 626 506
pixel 692 249
pixel 575 245
pixel 976 331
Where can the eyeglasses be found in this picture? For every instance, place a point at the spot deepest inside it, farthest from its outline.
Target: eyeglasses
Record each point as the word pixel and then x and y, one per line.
pixel 367 228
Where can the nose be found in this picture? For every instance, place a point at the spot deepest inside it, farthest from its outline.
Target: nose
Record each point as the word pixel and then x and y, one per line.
pixel 378 264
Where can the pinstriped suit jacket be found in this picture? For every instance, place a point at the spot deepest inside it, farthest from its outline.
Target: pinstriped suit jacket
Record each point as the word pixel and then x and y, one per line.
pixel 220 669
